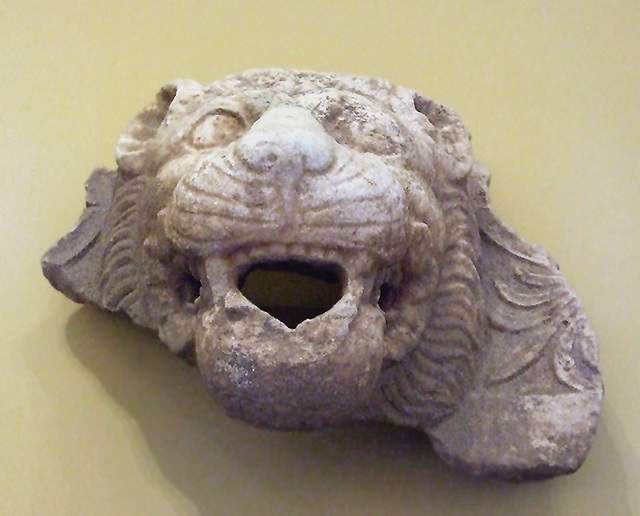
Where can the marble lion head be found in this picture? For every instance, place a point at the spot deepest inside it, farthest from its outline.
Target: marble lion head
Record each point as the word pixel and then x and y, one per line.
pixel 323 248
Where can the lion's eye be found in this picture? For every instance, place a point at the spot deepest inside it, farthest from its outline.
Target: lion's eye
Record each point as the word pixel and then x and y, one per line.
pixel 216 128
pixel 355 122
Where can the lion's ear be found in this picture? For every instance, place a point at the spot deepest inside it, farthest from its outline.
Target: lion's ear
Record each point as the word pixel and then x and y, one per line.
pixel 534 405
pixel 133 149
pixel 452 149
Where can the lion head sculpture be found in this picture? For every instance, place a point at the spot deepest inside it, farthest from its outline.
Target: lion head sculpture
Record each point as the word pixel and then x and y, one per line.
pixel 239 206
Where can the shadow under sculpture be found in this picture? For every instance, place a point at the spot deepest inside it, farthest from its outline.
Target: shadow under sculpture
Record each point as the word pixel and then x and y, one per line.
pixel 437 315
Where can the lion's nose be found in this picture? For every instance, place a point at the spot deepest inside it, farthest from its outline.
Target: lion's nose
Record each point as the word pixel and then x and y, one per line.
pixel 287 141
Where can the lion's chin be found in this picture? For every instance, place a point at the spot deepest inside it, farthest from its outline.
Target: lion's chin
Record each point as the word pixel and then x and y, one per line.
pixel 320 372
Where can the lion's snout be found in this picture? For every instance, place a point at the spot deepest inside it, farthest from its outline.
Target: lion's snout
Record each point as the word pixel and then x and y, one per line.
pixel 287 141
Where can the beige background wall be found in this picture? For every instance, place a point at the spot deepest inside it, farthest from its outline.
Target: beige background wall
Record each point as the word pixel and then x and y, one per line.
pixel 97 418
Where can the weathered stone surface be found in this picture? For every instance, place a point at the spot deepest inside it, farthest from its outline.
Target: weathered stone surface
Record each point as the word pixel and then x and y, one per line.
pixel 322 246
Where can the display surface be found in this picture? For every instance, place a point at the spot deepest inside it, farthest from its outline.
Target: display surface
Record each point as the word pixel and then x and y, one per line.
pixel 98 417
pixel 231 195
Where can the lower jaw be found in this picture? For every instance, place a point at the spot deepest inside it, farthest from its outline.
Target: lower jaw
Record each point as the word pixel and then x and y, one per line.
pixel 320 373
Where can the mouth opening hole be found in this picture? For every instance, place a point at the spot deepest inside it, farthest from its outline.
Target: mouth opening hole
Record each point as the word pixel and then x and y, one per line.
pixel 189 287
pixel 388 296
pixel 292 291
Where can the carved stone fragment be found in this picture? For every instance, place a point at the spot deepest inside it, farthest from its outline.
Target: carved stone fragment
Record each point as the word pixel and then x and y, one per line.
pixel 323 248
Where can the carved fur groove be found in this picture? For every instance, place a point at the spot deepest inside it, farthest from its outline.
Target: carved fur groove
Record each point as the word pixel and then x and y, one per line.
pixel 431 379
pixel 119 278
pixel 350 189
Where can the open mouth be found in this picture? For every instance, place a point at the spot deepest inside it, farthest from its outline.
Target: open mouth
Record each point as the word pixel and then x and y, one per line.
pixel 292 291
pixel 292 338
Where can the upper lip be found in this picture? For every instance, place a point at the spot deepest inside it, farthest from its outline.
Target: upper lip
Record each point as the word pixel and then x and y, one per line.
pixel 221 206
